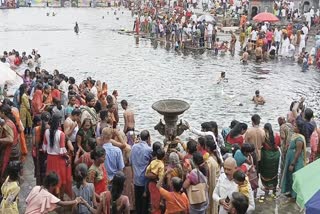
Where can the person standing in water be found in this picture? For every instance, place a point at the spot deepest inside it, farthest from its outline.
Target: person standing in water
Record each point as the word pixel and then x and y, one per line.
pixel 76 28
pixel 257 99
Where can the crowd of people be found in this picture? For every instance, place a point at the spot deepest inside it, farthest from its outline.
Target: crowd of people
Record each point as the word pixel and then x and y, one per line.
pixel 260 41
pixel 84 159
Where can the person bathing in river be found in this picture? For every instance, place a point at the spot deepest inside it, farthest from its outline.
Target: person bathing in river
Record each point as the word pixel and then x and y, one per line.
pixel 257 99
pixel 258 54
pixel 222 78
pixel 76 28
pixel 245 56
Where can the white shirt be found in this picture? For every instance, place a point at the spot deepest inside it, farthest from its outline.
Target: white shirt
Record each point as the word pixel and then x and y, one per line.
pixel 254 35
pixel 94 91
pixel 210 29
pixel 225 188
pixel 305 30
pixel 277 35
pixel 264 28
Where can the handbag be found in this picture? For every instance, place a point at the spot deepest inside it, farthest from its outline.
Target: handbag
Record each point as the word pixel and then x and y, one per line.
pixel 197 193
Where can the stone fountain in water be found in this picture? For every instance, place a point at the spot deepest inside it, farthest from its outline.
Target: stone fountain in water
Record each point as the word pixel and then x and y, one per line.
pixel 170 109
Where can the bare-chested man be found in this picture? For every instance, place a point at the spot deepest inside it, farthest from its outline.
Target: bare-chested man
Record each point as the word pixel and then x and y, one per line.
pixel 128 116
pixel 259 54
pixel 258 100
pixel 70 126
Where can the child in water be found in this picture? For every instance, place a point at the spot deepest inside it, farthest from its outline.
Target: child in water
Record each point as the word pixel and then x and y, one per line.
pixel 216 47
pixel 222 78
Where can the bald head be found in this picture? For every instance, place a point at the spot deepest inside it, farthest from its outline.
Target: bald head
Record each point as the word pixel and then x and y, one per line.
pixel 229 166
pixel 107 133
pixel 230 161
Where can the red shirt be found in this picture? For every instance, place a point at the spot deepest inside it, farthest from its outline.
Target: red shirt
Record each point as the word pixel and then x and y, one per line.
pixel 269 35
pixel 238 140
pixel 56 94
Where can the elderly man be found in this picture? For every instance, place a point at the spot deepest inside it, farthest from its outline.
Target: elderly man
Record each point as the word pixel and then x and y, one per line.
pixel 226 186
pixel 88 111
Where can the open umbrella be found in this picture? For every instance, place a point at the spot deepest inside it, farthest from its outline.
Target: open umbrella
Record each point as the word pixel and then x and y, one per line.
pixel 207 18
pixel 7 74
pixel 265 17
pixel 307 192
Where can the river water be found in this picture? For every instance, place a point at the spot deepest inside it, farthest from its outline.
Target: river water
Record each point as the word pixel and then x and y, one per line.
pixel 144 73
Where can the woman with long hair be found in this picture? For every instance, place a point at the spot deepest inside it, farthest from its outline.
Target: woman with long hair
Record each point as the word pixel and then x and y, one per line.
pixel 219 138
pixel 214 165
pixel 9 147
pixel 269 164
pixel 235 136
pixel 57 155
pixel 196 176
pixel 39 156
pixel 296 158
pixel 83 189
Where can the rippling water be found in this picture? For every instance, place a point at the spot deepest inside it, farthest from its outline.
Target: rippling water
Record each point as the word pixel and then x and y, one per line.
pixel 143 73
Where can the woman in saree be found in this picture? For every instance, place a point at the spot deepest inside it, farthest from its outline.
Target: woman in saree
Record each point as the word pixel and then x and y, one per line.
pixel 47 97
pixel 37 101
pixel 174 169
pixel 269 164
pixel 296 158
pixel 25 111
pixel 214 165
pixel 39 156
pixel 9 148
pixel 235 136
pixel 20 128
pixel 85 132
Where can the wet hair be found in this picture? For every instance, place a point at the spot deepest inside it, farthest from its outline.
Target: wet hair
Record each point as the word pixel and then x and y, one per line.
pixel 202 142
pixel 103 114
pixel 155 147
pixel 212 147
pixel 240 202
pixel 6 110
pixel 247 148
pixel 124 103
pixel 214 126
pixel 54 126
pixel 198 161
pixel 292 104
pixel 109 99
pixel 76 112
pixel 117 189
pixel 89 97
pixel 192 146
pixel 51 180
pixel 237 129
pixel 160 154
pixel 177 184
pixel 233 124
pixel 268 129
pixel 239 176
pixel 255 119
pixel 13 169
pixel 308 114
pixel 145 135
pixel 72 80
pixel 206 126
pixel 98 152
pixel 81 172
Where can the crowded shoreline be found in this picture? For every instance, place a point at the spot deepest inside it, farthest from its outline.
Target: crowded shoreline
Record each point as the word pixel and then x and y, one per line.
pixel 207 144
